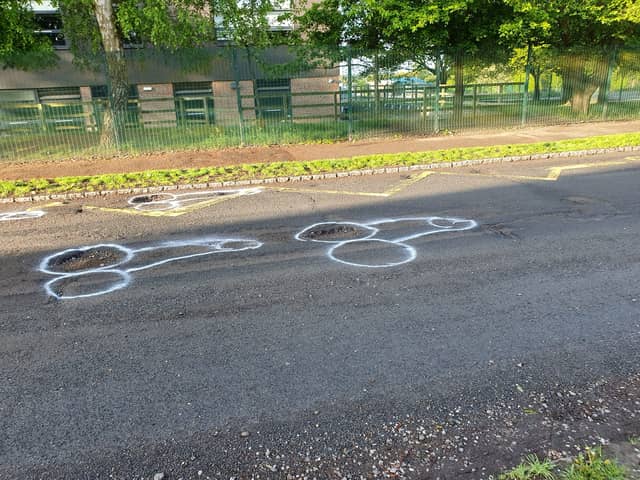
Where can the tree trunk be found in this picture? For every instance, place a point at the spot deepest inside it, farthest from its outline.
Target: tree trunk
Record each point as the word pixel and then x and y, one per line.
pixel 113 119
pixel 444 70
pixel 567 90
pixel 536 74
pixel 581 98
pixel 603 90
pixel 605 80
pixel 580 85
pixel 458 99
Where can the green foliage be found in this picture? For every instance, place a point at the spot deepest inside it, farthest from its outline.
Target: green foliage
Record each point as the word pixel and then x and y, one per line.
pixel 82 31
pixel 591 465
pixel 325 28
pixel 19 46
pixel 451 26
pixel 572 23
pixel 171 24
pixel 532 468
pixel 286 169
pixel 244 23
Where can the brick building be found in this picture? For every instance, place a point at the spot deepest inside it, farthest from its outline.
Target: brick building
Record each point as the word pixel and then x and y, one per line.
pixel 228 89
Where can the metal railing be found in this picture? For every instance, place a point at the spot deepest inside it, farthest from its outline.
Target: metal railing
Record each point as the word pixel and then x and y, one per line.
pixel 363 104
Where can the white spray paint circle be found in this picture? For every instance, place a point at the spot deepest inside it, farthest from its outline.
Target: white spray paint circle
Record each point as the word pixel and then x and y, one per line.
pixel 125 279
pixel 407 252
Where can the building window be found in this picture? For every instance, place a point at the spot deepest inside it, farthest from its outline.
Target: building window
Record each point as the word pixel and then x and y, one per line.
pixel 102 91
pixel 273 98
pixel 61 108
pixel 194 102
pixel 49 24
pixel 19 111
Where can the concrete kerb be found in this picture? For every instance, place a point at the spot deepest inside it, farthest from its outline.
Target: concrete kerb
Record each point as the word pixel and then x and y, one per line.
pixel 318 176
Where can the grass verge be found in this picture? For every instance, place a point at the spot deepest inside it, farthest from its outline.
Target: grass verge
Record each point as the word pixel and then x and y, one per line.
pixel 152 178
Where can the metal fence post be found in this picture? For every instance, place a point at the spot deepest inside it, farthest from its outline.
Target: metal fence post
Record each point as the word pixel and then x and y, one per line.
pixel 525 94
pixel 475 103
pixel 436 106
pixel 349 96
pixel 236 81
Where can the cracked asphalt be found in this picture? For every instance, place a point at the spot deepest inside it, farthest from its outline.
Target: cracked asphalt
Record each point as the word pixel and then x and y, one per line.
pixel 279 362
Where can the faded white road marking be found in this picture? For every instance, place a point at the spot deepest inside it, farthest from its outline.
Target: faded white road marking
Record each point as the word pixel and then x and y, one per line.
pixel 24 215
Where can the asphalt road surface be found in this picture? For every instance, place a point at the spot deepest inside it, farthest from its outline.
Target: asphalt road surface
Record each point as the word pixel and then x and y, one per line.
pixel 214 341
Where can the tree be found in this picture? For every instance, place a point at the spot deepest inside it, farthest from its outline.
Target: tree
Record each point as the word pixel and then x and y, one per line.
pixel 96 30
pixel 338 30
pixel 582 33
pixel 425 31
pixel 245 25
pixel 19 47
pixel 453 28
pixel 540 58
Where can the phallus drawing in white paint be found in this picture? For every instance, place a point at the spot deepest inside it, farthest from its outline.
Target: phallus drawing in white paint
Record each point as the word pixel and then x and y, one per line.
pixel 105 268
pixel 376 244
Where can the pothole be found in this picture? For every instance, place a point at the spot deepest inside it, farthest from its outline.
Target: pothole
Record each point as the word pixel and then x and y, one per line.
pixel 580 200
pixel 89 259
pixel 155 197
pixel 336 232
pixel 503 231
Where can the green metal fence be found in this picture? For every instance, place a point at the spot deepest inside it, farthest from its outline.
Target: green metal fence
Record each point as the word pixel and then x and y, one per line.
pixel 349 101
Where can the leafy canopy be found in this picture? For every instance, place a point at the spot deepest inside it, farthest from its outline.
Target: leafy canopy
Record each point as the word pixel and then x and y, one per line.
pixel 19 46
pixel 573 23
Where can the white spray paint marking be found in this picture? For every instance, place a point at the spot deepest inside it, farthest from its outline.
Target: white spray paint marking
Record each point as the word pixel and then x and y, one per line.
pixel 161 202
pixel 26 215
pixel 213 244
pixel 369 231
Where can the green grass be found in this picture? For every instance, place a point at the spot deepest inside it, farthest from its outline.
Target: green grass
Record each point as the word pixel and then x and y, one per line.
pixel 37 186
pixel 60 145
pixel 532 468
pixel 589 465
